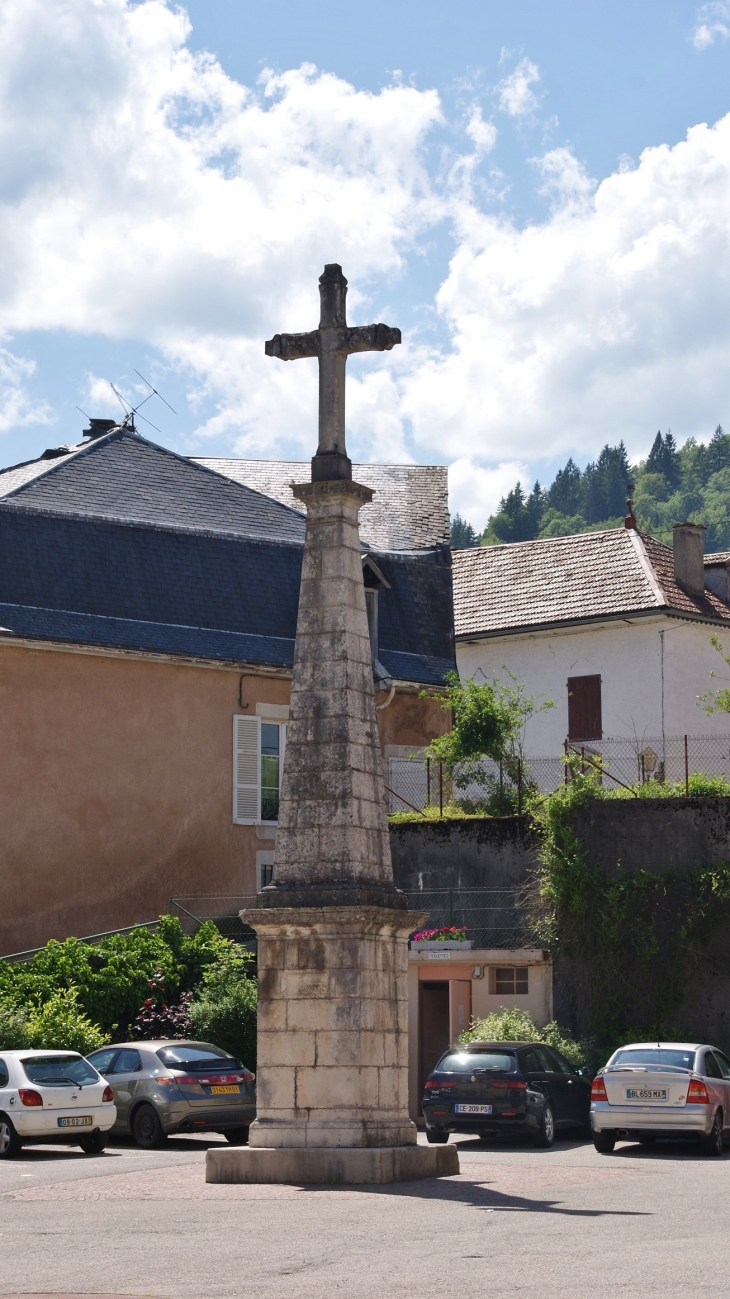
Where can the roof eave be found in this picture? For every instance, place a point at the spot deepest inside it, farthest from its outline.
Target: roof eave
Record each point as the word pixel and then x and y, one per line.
pixel 558 624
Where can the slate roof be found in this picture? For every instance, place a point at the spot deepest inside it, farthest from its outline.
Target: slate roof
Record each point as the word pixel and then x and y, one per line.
pixel 123 477
pixel 79 565
pixel 408 512
pixel 585 577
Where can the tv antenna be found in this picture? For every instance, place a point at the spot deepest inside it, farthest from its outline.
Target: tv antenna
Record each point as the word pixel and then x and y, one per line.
pixel 130 411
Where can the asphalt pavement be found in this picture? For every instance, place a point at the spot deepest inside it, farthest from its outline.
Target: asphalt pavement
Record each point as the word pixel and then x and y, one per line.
pixel 517 1221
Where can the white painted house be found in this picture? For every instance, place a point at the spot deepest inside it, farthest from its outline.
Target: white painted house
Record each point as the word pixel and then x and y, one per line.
pixel 613 626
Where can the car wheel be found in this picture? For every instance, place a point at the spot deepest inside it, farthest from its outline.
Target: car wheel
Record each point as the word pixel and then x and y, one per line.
pixel 236 1136
pixel 604 1142
pixel 546 1131
pixel 94 1144
pixel 713 1143
pixel 146 1128
pixel 10 1144
pixel 435 1138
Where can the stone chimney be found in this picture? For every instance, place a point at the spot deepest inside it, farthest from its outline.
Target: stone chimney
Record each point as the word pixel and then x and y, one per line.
pixel 689 555
pixel 98 427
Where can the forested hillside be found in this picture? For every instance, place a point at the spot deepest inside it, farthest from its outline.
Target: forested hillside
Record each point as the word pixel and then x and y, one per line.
pixel 671 485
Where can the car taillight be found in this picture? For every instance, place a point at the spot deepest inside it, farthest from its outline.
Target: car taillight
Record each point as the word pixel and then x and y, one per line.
pixel 213 1080
pixel 162 1078
pixel 509 1085
pixel 518 1086
pixel 108 1094
pixel 697 1093
pixel 433 1082
pixel 29 1097
pixel 598 1089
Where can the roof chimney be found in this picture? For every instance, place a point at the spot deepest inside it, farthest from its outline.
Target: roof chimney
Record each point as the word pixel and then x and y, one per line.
pixel 689 557
pixel 630 520
pixel 98 427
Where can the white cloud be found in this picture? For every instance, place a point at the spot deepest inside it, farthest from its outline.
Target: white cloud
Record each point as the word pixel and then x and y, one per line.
pixel 713 20
pixel 483 134
pixel 609 319
pixel 565 178
pixel 475 492
pixel 17 407
pixel 515 95
pixel 146 195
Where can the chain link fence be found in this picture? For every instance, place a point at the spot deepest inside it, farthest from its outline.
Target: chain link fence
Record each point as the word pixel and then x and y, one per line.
pixel 192 911
pixel 492 917
pixel 413 784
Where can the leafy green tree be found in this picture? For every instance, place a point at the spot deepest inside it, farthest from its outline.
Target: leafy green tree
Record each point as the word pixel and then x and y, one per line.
pixel 463 535
pixel 664 459
pixel 566 493
pixel 672 484
pixel 519 515
pixel 488 721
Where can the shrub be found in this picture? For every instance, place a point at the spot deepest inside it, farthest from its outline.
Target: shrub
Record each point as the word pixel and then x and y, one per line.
pixel 13 1027
pixel 112 978
pixel 156 1020
pixel 515 1025
pixel 224 1010
pixel 59 1024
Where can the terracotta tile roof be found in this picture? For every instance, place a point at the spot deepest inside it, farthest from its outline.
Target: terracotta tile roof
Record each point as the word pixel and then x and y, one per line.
pixel 587 576
pixel 409 511
pixel 661 558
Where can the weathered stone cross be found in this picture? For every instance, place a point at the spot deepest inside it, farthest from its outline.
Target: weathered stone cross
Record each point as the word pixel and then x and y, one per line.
pixel 332 343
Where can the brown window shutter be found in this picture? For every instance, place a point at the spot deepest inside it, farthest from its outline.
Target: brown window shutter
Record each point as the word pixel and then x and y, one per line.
pixel 584 708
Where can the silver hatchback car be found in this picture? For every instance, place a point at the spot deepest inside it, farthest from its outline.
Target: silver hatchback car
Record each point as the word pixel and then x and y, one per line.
pixel 662 1089
pixel 169 1086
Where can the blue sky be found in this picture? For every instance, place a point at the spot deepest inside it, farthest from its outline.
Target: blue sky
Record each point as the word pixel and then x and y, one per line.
pixel 528 190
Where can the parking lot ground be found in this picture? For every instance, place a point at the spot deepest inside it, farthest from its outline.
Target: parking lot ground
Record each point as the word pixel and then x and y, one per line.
pixel 536 1224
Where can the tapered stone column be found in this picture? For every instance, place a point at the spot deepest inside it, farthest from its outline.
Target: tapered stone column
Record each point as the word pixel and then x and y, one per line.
pixel 332 1074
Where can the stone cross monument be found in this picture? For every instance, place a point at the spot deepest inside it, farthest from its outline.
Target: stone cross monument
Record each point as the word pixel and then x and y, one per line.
pixel 332 928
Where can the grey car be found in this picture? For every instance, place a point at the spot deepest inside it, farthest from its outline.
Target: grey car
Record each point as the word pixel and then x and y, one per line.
pixel 662 1089
pixel 168 1086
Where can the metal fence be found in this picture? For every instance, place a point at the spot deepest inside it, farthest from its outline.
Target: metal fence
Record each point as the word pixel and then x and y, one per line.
pixel 413 784
pixel 492 917
pixel 192 911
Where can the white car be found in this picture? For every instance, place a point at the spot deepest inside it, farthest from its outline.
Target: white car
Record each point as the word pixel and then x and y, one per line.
pixel 662 1089
pixel 52 1096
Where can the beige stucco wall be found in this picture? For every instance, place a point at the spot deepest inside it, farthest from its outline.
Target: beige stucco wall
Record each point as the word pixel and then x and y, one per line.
pixel 430 967
pixel 116 787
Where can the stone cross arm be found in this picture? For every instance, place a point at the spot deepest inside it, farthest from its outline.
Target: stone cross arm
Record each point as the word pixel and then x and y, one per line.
pixel 332 343
pixel 345 340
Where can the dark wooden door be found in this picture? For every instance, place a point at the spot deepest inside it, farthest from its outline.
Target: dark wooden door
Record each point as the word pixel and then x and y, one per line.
pixel 584 708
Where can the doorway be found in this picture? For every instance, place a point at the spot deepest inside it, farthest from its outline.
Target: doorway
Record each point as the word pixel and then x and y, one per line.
pixel 434 1028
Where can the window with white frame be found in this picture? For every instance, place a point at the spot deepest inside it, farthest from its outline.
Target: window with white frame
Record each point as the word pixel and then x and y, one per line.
pixel 258 759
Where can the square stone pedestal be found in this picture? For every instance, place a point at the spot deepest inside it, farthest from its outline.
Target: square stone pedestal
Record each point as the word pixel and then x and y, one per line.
pixel 332 1074
pixel 330 1167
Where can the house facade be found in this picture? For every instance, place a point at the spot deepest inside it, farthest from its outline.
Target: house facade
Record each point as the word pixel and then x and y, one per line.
pixel 148 609
pixel 614 627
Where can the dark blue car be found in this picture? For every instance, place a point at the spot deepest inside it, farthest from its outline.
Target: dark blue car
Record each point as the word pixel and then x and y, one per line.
pixel 486 1088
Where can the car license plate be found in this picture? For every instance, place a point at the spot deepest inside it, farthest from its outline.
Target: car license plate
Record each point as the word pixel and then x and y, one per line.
pixel 78 1121
pixel 225 1091
pixel 473 1109
pixel 646 1093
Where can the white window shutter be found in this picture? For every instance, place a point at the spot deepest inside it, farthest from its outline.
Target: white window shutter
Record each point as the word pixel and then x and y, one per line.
pixel 246 769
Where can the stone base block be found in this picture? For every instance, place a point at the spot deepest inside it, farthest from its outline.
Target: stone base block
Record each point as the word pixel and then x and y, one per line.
pixel 330 1167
